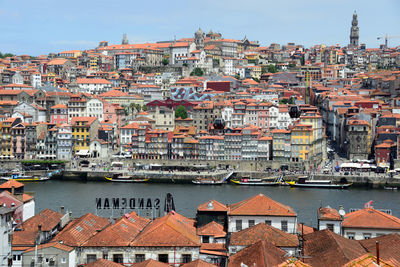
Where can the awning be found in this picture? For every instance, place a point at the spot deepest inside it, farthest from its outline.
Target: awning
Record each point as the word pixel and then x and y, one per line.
pixel 83 152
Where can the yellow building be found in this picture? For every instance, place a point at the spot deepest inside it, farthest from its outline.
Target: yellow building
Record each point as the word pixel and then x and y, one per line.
pixel 314 119
pixel 301 141
pixel 84 129
pixel 6 147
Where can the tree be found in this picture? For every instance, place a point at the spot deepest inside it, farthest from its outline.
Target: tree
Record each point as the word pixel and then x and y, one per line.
pixel 181 112
pixel 237 76
pixel 144 108
pixel 271 68
pixel 6 55
pixel 165 61
pixel 197 72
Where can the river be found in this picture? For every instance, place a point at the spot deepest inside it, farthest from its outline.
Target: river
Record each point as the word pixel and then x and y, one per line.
pixel 80 197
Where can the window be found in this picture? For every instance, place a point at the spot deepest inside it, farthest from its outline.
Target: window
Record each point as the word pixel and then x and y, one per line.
pixel 329 226
pixel 163 258
pixel 105 255
pixel 284 226
pixel 268 222
pixel 186 258
pixel 91 258
pixel 63 260
pixel 238 225
pixel 206 239
pixel 139 257
pixel 350 235
pixel 251 223
pixel 367 235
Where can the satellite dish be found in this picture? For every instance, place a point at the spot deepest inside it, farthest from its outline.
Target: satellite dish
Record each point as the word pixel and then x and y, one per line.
pixel 342 212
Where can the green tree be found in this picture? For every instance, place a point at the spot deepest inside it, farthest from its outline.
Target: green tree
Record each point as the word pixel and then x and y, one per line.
pixel 181 112
pixel 165 61
pixel 271 68
pixel 237 76
pixel 138 107
pixel 6 55
pixel 144 108
pixel 197 72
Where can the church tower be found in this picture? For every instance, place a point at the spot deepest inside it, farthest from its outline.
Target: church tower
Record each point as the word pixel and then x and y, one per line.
pixel 125 39
pixel 354 31
pixel 199 39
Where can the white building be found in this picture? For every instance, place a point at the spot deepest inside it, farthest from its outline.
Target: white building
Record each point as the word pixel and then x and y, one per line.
pixel 259 209
pixel 94 108
pixel 181 50
pixel 37 113
pixel 36 80
pixel 6 235
pixel 50 254
pixel 64 143
pixel 93 86
pixel 329 218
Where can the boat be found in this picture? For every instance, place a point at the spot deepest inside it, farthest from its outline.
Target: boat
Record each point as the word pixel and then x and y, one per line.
pixel 304 182
pixel 390 187
pixel 126 178
pixel 25 178
pixel 207 181
pixel 254 181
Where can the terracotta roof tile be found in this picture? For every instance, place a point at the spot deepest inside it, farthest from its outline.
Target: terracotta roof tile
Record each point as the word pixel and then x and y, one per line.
pixel 325 248
pixel 47 218
pixel 263 231
pixel 54 245
pixel 212 205
pixel 370 218
pixel 212 229
pixel 328 213
pixel 151 263
pixel 261 253
pixel 389 247
pixel 198 263
pixel 172 230
pixel 80 230
pixel 11 183
pixel 119 234
pixel 103 263
pixel 260 205
pixel 368 260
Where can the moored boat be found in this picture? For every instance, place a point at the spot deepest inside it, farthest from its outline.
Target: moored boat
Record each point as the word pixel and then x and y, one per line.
pixel 119 177
pixel 304 182
pixel 207 181
pixel 25 178
pixel 254 181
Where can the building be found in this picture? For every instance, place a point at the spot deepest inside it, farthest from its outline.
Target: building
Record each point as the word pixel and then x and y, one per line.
pixel 6 235
pixel 261 208
pixel 354 31
pixel 164 118
pixel 84 129
pixel 329 218
pixel 358 139
pixel 59 114
pixel 93 86
pixel 64 142
pixel 50 254
pixel 369 223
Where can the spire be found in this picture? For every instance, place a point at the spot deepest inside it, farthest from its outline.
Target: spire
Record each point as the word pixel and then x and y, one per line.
pixel 354 31
pixel 125 39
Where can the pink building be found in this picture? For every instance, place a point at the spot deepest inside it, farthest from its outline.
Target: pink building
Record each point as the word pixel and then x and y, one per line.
pixel 59 114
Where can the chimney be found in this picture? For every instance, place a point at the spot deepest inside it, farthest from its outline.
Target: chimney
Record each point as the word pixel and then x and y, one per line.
pixel 12 190
pixel 377 253
pixel 39 228
pixel 62 209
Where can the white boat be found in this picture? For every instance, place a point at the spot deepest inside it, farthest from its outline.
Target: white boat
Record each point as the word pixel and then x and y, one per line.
pixel 304 182
pixel 125 178
pixel 254 181
pixel 206 181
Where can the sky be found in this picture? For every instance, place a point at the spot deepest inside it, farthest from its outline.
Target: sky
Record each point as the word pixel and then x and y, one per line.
pixel 48 26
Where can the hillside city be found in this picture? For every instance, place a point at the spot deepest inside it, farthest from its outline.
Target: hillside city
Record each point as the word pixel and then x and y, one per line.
pixel 203 99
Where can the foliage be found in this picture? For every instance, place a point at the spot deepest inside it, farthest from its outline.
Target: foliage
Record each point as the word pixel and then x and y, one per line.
pixel 197 72
pixel 181 112
pixel 6 55
pixel 256 79
pixel 283 101
pixel 271 68
pixel 144 108
pixel 165 61
pixel 291 65
pixel 237 76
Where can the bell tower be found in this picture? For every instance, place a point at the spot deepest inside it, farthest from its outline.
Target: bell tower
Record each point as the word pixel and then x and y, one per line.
pixel 199 39
pixel 354 31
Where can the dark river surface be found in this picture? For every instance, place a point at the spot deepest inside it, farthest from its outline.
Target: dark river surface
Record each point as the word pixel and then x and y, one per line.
pixel 80 197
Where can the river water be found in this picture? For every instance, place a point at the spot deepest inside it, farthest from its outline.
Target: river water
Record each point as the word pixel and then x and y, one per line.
pixel 80 197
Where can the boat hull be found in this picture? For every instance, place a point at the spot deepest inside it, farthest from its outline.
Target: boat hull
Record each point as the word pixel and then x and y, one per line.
pixel 207 182
pixel 129 180
pixel 255 183
pixel 33 179
pixel 327 186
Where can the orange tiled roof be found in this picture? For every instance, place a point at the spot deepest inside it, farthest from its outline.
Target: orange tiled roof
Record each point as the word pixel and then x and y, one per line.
pixel 368 260
pixel 54 245
pixel 47 218
pixel 325 248
pixel 370 218
pixel 260 205
pixel 80 230
pixel 103 263
pixel 328 213
pixel 151 263
pixel 212 205
pixel 212 229
pixel 172 230
pixel 11 183
pixel 263 231
pixel 262 253
pixel 198 263
pixel 389 247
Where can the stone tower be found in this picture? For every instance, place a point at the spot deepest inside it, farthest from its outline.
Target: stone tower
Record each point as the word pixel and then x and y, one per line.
pixel 199 39
pixel 125 39
pixel 354 31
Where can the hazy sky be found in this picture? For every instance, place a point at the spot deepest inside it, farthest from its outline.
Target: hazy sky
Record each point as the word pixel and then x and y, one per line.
pixel 44 26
